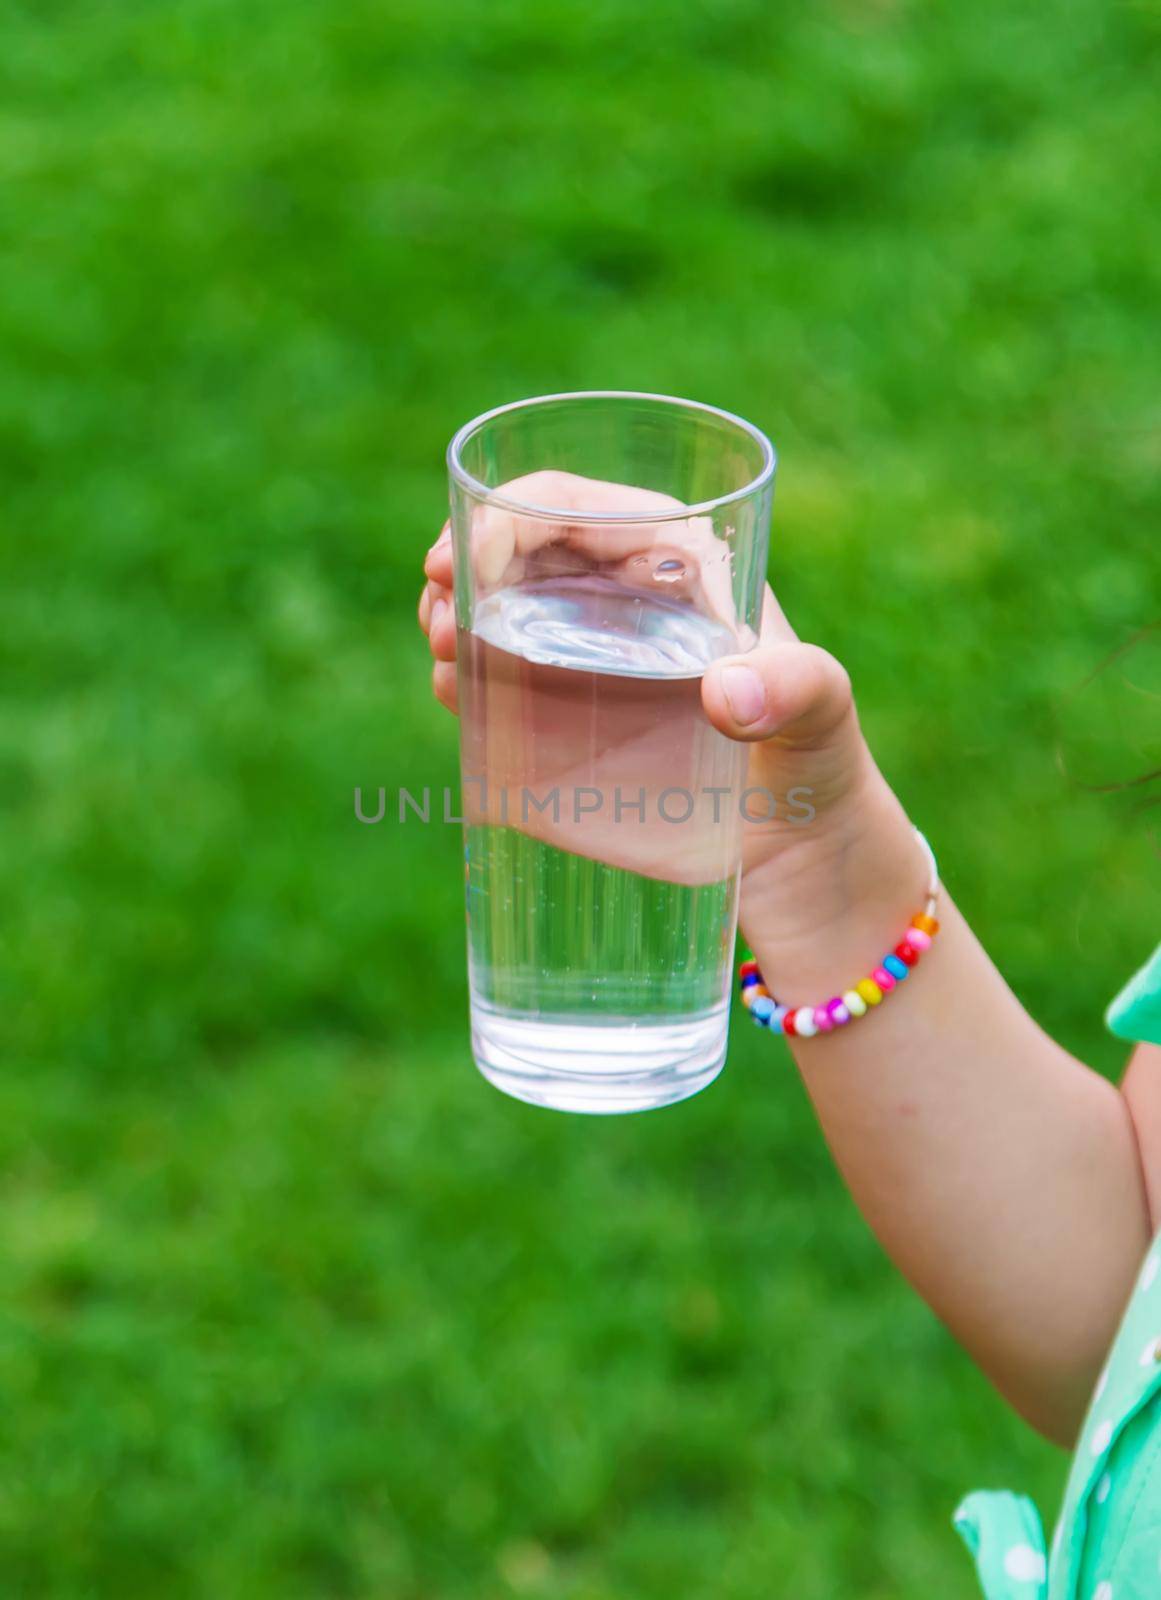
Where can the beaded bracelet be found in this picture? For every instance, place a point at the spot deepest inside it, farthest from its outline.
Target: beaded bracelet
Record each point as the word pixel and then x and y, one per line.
pixel 804 1021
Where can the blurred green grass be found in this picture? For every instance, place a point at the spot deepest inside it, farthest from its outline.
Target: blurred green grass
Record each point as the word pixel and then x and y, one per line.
pixel 293 1304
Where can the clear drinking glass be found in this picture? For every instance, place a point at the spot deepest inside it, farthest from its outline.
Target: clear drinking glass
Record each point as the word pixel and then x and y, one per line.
pixel 608 547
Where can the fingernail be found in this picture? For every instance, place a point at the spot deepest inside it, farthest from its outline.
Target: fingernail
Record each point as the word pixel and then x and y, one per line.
pixel 438 613
pixel 745 694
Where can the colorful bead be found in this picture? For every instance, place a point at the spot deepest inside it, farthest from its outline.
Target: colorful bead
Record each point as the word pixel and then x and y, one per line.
pixel 805 1021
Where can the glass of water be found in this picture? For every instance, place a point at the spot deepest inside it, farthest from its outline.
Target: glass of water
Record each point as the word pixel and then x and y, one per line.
pixel 607 547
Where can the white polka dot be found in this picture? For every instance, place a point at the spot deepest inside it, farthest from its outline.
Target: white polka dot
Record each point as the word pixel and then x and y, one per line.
pixel 1025 1563
pixel 1102 1384
pixel 1102 1438
pixel 1103 1488
pixel 1151 1354
pixel 1147 1276
pixel 1103 1591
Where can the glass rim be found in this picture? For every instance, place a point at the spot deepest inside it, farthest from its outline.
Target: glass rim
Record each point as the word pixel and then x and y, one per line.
pixel 480 490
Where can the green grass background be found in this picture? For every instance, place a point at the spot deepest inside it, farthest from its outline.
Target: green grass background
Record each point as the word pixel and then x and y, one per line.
pixel 292 1303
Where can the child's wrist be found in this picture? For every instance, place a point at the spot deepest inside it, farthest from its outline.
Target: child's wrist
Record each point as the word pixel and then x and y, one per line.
pixel 832 898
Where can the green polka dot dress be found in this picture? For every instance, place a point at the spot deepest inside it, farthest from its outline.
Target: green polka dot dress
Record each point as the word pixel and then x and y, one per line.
pixel 1107 1544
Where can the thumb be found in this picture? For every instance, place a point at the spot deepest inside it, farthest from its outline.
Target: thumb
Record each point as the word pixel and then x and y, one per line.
pixel 795 694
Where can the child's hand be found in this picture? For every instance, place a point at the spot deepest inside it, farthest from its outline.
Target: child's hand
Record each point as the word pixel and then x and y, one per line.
pixel 838 837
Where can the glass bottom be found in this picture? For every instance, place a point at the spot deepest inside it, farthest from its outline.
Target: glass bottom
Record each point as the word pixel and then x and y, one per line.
pixel 605 1068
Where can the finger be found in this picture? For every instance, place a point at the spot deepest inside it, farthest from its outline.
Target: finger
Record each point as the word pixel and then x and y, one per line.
pixel 444 685
pixel 563 495
pixel 795 693
pixel 685 562
pixel 679 559
pixel 775 628
pixel 438 562
pixel 715 574
pixel 499 534
pixel 442 633
pixel 430 594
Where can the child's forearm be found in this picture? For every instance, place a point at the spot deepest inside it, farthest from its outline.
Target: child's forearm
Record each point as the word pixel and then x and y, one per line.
pixel 1000 1174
